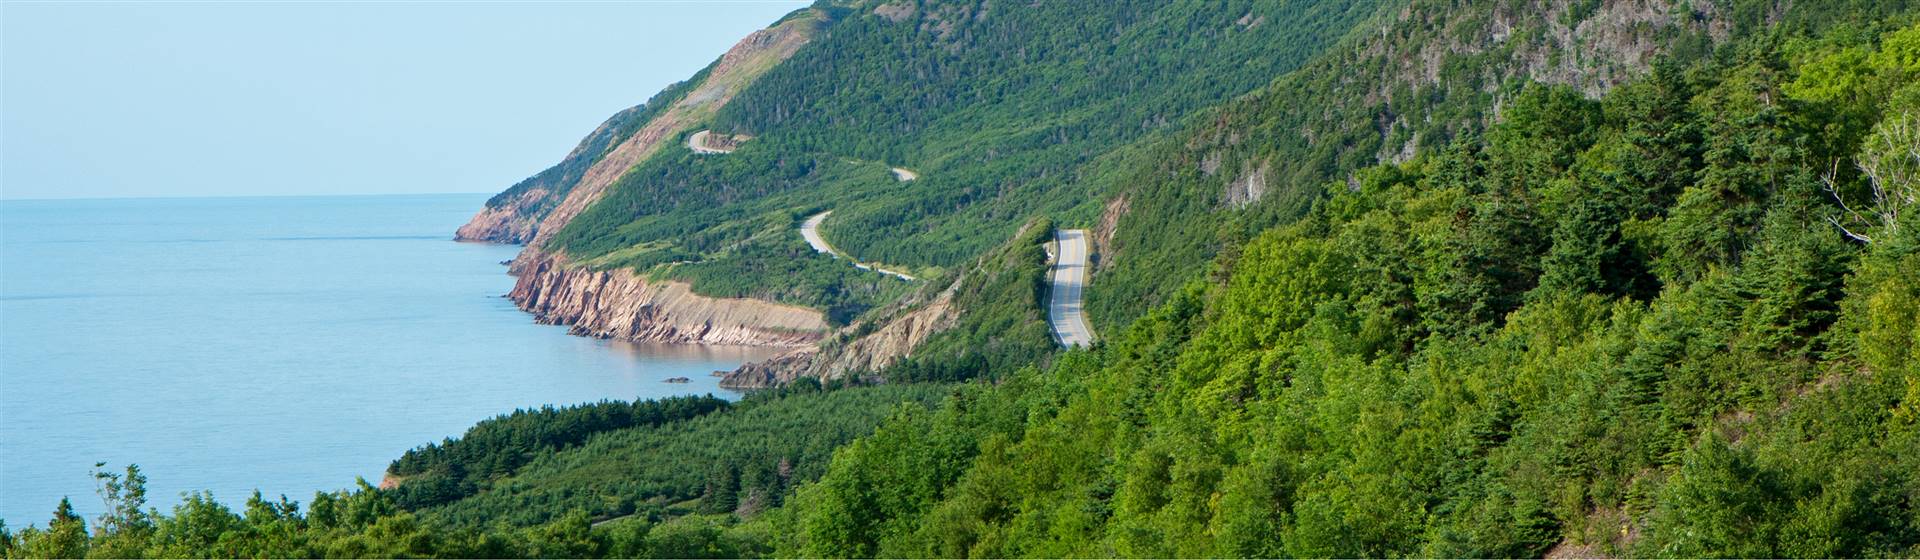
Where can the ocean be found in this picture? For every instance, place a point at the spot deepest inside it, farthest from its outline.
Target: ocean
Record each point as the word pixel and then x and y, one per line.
pixel 284 344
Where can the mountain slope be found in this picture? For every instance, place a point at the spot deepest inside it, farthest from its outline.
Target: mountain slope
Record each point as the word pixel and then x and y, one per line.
pixel 517 214
pixel 989 154
pixel 815 123
pixel 1431 72
pixel 1620 326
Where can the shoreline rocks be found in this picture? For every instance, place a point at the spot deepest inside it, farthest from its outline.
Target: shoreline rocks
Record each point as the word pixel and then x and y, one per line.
pixel 618 304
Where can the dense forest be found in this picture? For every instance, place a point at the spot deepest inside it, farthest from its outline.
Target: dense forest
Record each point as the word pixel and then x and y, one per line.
pixel 1428 278
pixel 1663 322
pixel 453 469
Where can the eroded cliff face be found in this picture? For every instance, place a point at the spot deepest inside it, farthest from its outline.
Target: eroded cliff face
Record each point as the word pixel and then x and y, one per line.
pixel 911 325
pixel 620 304
pixel 510 222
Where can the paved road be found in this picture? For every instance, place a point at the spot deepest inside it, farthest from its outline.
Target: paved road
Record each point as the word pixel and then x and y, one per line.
pixel 810 230
pixel 698 143
pixel 1069 277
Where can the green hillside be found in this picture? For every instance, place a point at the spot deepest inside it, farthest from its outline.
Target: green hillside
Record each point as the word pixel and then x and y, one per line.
pixel 1620 326
pixel 997 107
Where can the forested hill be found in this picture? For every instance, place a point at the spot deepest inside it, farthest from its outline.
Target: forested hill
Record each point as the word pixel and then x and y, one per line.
pixel 1443 278
pixel 998 107
pixel 1402 85
pixel 1677 319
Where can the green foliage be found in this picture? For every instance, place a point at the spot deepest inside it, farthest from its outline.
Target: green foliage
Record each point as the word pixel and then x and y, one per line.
pixel 729 225
pixel 64 537
pixel 998 106
pixel 885 482
pixel 1003 117
pixel 1430 75
pixel 641 473
pixel 1536 339
pixel 1001 328
pixel 456 468
pixel 741 460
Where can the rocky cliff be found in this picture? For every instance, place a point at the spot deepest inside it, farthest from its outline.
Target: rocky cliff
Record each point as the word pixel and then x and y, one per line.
pixel 512 221
pixel 892 341
pixel 620 304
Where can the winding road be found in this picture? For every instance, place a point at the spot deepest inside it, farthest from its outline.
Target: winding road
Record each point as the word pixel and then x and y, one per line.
pixel 810 230
pixel 1069 275
pixel 698 143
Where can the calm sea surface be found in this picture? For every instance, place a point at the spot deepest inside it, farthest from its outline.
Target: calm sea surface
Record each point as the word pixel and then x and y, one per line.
pixel 283 344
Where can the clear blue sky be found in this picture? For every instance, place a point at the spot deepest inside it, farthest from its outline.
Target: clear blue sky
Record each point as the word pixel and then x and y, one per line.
pixel 217 99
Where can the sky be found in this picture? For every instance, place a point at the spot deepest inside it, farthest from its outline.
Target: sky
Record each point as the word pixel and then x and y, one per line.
pixel 114 100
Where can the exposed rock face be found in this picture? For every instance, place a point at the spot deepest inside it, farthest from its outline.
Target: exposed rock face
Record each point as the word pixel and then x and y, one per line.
pixel 1109 226
pixel 887 344
pixel 1249 187
pixel 512 222
pixel 770 373
pixel 895 12
pixel 620 304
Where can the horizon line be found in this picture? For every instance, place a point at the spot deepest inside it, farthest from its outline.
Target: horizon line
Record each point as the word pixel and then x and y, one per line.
pixel 191 196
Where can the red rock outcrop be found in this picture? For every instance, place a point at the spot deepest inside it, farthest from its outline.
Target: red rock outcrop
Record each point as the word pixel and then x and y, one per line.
pixel 620 304
pixel 894 340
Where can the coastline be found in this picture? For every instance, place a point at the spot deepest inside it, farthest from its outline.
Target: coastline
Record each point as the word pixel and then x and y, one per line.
pixel 619 304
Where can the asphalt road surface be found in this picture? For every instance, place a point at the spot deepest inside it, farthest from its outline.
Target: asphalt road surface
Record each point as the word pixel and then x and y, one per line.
pixel 810 230
pixel 698 143
pixel 1069 277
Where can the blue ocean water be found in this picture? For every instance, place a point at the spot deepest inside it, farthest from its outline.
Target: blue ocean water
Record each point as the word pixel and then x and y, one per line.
pixel 280 344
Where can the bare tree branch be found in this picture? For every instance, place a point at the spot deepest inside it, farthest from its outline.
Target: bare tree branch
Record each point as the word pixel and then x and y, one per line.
pixel 1890 161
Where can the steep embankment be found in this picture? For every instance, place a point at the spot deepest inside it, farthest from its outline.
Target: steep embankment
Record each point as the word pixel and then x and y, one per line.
pixel 1618 327
pixel 893 340
pixel 620 304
